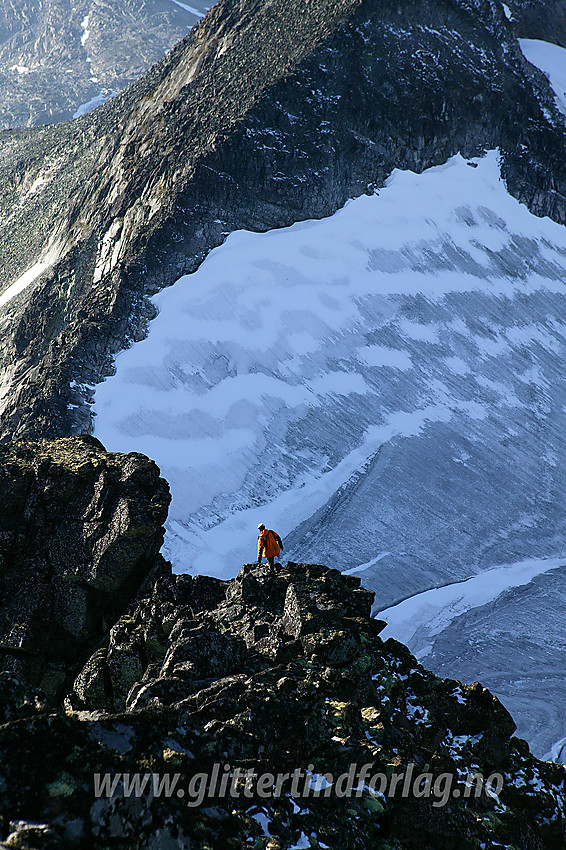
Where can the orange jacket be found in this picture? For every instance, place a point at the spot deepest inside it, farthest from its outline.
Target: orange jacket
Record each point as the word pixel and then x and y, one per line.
pixel 268 544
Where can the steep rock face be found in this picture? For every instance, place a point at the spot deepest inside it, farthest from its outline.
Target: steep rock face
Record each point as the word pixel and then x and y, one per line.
pixel 220 136
pixel 80 531
pixel 546 20
pixel 278 674
pixel 56 55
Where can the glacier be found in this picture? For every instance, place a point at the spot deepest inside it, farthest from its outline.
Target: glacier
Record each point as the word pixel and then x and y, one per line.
pixel 385 388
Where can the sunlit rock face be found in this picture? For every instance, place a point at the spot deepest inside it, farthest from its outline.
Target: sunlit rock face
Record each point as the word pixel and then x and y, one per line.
pixel 384 387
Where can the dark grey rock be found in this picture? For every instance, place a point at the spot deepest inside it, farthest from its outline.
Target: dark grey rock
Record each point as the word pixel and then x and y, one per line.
pixel 339 697
pixel 81 530
pixel 544 20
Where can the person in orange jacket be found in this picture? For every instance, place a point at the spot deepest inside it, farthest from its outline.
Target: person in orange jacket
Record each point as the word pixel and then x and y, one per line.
pixel 269 544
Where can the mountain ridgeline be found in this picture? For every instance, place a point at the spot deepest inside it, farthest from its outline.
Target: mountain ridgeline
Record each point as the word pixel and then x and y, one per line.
pixel 266 113
pixel 112 667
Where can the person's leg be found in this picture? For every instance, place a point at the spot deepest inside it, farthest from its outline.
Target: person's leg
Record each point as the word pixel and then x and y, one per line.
pixel 271 562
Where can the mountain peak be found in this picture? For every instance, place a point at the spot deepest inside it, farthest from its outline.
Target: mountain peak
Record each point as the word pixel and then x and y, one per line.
pixel 100 213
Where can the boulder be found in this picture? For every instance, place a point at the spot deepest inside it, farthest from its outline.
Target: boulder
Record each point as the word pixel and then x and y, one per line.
pixel 80 530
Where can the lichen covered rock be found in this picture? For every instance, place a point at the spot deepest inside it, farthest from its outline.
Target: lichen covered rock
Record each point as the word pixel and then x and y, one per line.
pixel 80 529
pixel 268 713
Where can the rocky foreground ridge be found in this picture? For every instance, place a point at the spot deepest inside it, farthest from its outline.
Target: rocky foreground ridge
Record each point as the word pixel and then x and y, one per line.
pixel 80 530
pixel 203 694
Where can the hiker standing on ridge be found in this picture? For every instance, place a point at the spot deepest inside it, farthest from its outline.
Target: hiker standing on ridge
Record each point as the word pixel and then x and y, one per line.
pixel 269 544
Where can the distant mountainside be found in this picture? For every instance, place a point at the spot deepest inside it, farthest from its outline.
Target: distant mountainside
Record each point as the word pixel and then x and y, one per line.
pixel 266 113
pixel 59 59
pixel 56 55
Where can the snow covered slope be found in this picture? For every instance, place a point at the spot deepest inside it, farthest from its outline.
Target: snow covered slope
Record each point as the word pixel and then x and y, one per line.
pixel 503 627
pixel 384 387
pixel 551 59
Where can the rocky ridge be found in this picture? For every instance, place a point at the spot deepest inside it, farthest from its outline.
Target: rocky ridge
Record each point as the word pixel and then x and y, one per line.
pixel 263 115
pixel 80 531
pixel 270 674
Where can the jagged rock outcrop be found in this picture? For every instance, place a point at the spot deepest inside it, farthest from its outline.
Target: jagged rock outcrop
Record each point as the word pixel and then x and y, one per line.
pixel 282 674
pixel 266 113
pixel 80 531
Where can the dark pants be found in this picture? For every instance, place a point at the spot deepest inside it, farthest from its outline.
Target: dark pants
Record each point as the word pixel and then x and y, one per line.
pixel 270 561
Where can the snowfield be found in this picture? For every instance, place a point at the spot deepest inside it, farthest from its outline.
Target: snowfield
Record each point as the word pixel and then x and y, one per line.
pixel 551 60
pixel 386 389
pixel 416 620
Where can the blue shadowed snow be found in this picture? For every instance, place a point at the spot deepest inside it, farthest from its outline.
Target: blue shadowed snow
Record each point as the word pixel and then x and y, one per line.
pixel 551 60
pixel 386 389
